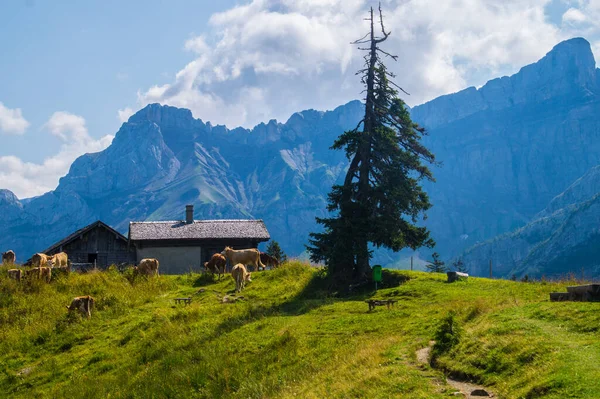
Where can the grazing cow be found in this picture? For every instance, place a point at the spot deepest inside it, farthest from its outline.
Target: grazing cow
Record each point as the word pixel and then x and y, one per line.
pixel 84 304
pixel 240 276
pixel 9 257
pixel 216 264
pixel 269 260
pixel 147 267
pixel 39 260
pixel 244 256
pixel 60 259
pixel 40 273
pixel 15 274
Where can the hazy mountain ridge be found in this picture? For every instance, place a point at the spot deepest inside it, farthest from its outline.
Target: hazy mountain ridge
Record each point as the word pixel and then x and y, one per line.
pixel 503 164
pixel 163 158
pixel 507 150
pixel 568 69
pixel 563 238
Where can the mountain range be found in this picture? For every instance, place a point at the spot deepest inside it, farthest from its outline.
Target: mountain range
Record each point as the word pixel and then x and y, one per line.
pixel 563 238
pixel 508 150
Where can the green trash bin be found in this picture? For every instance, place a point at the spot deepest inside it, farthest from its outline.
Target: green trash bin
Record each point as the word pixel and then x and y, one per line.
pixel 377 274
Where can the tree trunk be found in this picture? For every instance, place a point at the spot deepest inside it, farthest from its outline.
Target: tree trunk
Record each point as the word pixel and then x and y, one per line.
pixel 362 246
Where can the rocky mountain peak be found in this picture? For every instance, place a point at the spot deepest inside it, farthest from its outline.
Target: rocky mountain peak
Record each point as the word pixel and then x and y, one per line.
pixel 569 66
pixel 11 207
pixel 568 70
pixel 576 50
pixel 164 115
pixel 7 197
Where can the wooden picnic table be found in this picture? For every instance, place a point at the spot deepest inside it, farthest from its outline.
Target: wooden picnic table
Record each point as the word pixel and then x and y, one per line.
pixel 186 301
pixel 380 302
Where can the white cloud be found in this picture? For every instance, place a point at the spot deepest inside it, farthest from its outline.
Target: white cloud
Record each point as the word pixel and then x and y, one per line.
pixel 27 179
pixel 573 15
pixel 12 121
pixel 67 126
pixel 197 45
pixel 124 114
pixel 271 58
pixel 583 19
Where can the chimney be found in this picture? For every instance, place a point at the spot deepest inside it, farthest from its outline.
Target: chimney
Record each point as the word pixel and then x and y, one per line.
pixel 189 214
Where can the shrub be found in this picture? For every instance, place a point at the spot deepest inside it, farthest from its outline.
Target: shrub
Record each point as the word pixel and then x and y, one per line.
pixel 447 335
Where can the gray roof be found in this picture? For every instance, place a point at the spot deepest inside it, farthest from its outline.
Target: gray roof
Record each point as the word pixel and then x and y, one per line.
pixel 199 230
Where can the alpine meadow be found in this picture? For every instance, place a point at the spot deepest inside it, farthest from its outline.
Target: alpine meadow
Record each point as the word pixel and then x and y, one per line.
pixel 423 223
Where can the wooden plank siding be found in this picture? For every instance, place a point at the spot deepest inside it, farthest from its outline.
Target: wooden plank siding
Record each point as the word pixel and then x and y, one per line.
pixel 99 244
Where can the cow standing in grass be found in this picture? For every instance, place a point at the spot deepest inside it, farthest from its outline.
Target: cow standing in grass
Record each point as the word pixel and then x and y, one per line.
pixel 216 264
pixel 147 267
pixel 58 260
pixel 9 257
pixel 244 256
pixel 39 260
pixel 240 276
pixel 84 304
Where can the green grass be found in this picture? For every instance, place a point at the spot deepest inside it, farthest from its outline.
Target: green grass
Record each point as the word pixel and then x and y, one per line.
pixel 288 338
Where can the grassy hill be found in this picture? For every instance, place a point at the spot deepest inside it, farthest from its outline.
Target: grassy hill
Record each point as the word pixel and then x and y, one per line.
pixel 287 338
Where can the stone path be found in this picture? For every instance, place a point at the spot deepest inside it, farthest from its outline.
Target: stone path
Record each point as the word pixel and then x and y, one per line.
pixel 468 390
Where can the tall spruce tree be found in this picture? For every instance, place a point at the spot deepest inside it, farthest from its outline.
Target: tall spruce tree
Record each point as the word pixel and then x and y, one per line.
pixel 381 197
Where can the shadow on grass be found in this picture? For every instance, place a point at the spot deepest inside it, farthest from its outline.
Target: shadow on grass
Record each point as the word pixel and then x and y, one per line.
pixel 319 291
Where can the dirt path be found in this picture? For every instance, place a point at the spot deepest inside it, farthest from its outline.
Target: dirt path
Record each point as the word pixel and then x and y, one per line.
pixel 423 354
pixel 469 391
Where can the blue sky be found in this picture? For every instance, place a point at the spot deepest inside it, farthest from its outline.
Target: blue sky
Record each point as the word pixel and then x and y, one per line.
pixel 89 57
pixel 72 71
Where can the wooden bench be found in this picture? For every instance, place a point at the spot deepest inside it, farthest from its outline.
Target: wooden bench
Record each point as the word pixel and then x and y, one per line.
pixel 581 293
pixel 380 302
pixel 560 296
pixel 186 301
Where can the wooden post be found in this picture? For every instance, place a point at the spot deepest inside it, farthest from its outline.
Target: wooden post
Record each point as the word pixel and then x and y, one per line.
pixel 411 263
pixel 490 268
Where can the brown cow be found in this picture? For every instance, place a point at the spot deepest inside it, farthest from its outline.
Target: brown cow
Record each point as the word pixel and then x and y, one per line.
pixel 84 304
pixel 40 273
pixel 9 257
pixel 147 267
pixel 240 276
pixel 244 256
pixel 269 260
pixel 58 260
pixel 15 274
pixel 39 260
pixel 216 264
